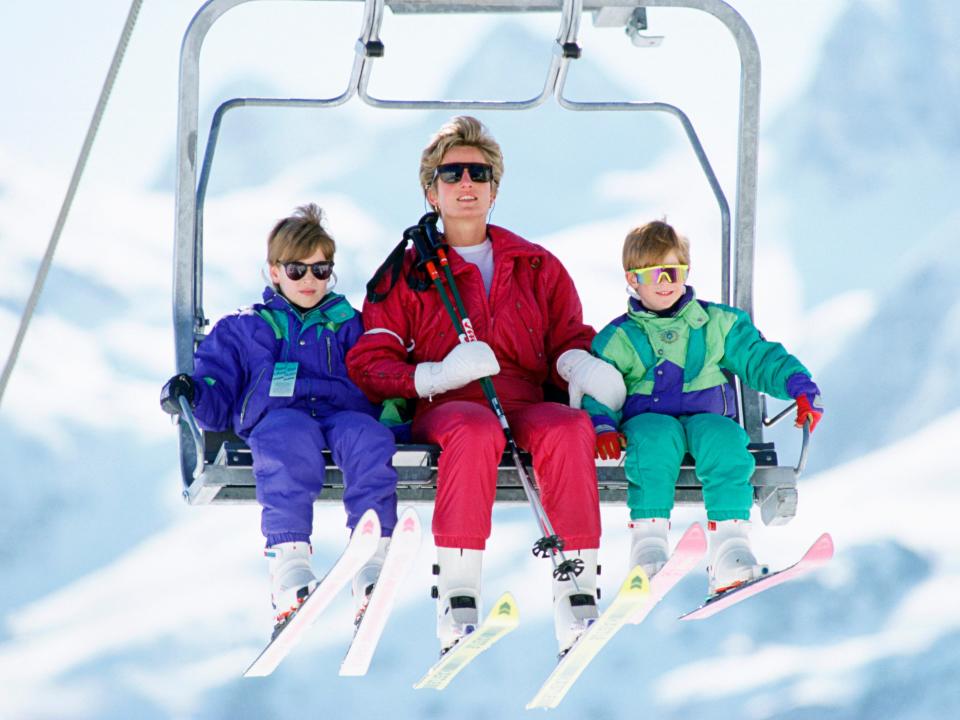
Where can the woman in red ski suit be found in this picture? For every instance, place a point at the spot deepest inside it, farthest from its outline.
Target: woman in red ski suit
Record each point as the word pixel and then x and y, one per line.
pixel 528 320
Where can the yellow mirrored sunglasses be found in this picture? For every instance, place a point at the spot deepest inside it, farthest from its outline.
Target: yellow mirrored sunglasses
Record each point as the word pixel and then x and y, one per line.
pixel 656 274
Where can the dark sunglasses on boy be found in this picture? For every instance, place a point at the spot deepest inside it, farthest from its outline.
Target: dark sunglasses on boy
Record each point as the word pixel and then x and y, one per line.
pixel 452 172
pixel 296 270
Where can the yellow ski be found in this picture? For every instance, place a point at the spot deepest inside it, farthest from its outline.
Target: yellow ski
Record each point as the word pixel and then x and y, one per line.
pixel 502 619
pixel 634 592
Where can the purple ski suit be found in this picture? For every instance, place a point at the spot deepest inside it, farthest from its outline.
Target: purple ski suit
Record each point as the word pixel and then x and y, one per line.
pixel 277 378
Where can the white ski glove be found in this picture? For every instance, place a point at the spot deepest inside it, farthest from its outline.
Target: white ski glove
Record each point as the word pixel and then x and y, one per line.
pixel 464 364
pixel 587 375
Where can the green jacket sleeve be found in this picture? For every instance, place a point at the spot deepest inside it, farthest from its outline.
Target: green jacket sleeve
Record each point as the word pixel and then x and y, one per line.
pixel 761 364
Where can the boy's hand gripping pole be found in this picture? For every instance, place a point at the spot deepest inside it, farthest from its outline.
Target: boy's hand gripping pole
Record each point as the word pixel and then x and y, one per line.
pixel 432 251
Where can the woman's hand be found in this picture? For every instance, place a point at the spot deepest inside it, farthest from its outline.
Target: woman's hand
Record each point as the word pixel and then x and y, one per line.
pixel 462 365
pixel 587 375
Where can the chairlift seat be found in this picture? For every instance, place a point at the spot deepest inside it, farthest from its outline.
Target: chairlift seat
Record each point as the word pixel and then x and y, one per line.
pixel 228 478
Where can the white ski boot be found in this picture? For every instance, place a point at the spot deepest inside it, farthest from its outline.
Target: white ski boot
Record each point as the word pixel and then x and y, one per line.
pixel 730 561
pixel 366 578
pixel 458 594
pixel 648 544
pixel 575 607
pixel 291 577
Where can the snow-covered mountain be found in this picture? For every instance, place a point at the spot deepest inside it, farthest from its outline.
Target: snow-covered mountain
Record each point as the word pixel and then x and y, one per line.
pixel 867 158
pixel 866 163
pixel 119 601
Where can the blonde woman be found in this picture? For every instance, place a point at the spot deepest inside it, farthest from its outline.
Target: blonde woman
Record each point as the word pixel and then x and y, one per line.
pixel 529 323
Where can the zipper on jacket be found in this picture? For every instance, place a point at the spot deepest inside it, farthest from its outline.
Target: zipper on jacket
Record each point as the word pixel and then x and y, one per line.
pixel 329 362
pixel 243 408
pixel 723 394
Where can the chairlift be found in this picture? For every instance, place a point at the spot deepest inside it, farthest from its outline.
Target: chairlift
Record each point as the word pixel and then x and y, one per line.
pixel 217 467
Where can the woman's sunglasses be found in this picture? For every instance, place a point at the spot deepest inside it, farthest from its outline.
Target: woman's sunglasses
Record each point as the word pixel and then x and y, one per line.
pixel 452 172
pixel 656 274
pixel 296 270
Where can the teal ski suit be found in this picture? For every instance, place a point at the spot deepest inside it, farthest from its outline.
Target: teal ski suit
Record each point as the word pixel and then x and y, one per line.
pixel 679 400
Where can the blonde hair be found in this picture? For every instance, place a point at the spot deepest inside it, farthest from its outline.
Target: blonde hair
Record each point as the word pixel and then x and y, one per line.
pixel 649 244
pixel 299 236
pixel 460 130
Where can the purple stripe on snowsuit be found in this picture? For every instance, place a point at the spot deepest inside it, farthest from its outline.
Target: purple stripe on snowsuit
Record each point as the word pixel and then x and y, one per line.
pixel 668 397
pixel 289 469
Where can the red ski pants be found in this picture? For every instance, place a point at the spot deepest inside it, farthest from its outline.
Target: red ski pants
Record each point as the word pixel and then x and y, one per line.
pixel 561 441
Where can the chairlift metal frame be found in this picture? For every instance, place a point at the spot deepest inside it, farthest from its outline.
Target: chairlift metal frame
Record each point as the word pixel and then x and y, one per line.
pixel 215 468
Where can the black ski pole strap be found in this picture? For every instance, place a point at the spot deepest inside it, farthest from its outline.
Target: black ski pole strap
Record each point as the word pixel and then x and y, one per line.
pixel 393 264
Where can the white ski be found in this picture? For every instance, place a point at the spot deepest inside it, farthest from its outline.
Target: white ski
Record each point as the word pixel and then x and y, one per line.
pixel 362 545
pixel 634 592
pixel 400 556
pixel 502 619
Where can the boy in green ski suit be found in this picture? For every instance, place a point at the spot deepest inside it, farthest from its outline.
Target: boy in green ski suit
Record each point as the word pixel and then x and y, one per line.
pixel 672 351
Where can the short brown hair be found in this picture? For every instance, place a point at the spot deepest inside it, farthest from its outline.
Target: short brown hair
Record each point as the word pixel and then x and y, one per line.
pixel 299 236
pixel 649 244
pixel 460 130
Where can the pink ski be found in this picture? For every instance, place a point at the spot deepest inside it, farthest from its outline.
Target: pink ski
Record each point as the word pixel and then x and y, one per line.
pixel 688 553
pixel 400 556
pixel 817 556
pixel 362 545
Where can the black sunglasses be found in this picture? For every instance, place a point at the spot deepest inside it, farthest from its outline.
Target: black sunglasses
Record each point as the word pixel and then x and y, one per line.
pixel 296 270
pixel 452 172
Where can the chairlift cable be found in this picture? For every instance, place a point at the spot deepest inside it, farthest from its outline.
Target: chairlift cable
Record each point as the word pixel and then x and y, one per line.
pixel 44 268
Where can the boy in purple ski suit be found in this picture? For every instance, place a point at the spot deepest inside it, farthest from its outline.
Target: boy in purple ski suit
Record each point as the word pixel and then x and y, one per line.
pixel 275 374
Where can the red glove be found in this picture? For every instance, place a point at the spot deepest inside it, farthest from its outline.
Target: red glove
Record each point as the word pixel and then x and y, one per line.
pixel 807 410
pixel 609 445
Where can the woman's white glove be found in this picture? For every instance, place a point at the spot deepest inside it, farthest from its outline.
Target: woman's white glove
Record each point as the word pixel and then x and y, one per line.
pixel 464 364
pixel 587 375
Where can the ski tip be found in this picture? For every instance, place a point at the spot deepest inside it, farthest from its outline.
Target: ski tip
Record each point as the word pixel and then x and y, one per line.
pixel 408 523
pixel 409 513
pixel 696 537
pixel 369 523
pixel 637 582
pixel 505 608
pixel 822 550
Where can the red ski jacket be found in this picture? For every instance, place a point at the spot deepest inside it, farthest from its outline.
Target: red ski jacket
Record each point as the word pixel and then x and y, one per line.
pixel 532 316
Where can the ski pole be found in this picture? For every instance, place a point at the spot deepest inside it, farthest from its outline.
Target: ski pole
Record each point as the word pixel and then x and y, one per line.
pixel 550 544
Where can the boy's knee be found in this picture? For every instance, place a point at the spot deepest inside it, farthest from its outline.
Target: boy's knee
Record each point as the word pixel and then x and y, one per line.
pixel 657 433
pixel 285 426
